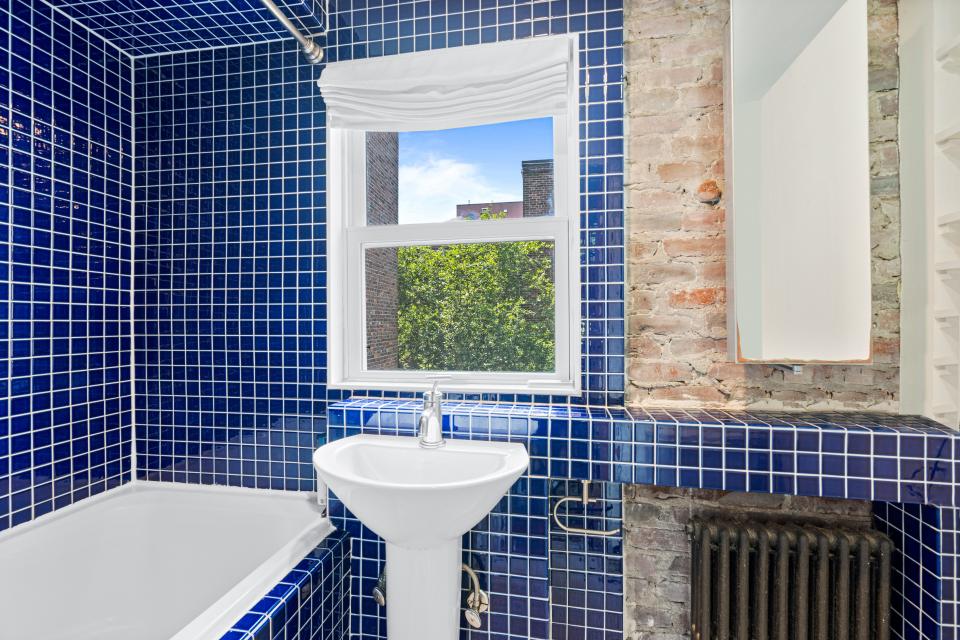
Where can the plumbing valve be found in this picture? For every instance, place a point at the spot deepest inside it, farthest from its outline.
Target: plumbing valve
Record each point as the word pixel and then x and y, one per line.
pixel 379 591
pixel 477 600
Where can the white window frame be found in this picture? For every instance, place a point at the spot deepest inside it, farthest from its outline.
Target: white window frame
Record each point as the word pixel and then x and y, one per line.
pixel 348 237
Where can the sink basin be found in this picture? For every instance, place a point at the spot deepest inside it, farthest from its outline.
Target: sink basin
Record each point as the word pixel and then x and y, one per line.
pixel 421 502
pixel 414 497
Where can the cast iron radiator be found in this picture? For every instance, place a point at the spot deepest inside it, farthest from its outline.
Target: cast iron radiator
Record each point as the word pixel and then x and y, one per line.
pixel 771 581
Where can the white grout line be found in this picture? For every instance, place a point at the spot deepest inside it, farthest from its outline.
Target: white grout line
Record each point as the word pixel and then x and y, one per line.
pixel 9 282
pixel 133 270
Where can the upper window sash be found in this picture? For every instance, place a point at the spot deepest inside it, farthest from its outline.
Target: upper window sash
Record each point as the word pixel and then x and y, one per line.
pixel 350 144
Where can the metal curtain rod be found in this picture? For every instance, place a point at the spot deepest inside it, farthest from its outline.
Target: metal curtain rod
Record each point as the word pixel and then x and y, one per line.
pixel 311 50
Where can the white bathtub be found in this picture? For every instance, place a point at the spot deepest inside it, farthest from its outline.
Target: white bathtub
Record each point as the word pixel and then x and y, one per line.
pixel 151 561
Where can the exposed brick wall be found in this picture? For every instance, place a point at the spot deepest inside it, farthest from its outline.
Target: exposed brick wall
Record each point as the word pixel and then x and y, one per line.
pixel 677 304
pixel 657 549
pixel 381 264
pixel 537 187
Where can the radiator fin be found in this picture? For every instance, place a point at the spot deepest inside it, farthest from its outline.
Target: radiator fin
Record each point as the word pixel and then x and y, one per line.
pixel 772 581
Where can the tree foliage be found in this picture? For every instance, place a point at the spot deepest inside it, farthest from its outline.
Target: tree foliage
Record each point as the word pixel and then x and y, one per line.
pixel 477 307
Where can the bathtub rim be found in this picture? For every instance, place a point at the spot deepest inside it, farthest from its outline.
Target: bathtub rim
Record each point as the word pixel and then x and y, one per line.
pixel 220 615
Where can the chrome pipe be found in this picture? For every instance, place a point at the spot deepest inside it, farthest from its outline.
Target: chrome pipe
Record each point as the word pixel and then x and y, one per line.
pixel 585 500
pixel 311 50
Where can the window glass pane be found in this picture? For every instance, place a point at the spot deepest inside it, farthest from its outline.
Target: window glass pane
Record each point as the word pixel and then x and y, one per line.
pixel 461 307
pixel 500 170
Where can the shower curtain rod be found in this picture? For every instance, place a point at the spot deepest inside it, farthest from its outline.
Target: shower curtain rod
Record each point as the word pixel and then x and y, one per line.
pixel 311 50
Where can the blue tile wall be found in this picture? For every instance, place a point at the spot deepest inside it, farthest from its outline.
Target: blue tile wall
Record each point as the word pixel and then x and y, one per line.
pixel 229 300
pixel 509 550
pixel 148 27
pixel 543 583
pixel 230 332
pixel 924 598
pixel 312 602
pixel 65 262
pixel 586 571
pixel 948 535
pixel 512 547
pixel 229 304
pixel 371 28
pixel 858 456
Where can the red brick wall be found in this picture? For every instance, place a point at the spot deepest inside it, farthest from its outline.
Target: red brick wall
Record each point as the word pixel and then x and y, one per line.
pixel 677 298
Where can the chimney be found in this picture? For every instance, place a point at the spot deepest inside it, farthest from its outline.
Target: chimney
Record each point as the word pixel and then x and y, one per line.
pixel 537 188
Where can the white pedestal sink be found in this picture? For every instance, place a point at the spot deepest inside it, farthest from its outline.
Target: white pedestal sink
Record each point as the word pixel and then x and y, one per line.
pixel 421 502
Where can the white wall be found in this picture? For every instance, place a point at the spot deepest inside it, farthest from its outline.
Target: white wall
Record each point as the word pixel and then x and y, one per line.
pixel 930 185
pixel 916 195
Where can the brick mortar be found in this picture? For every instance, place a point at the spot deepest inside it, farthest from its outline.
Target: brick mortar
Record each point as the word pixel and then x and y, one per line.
pixel 676 334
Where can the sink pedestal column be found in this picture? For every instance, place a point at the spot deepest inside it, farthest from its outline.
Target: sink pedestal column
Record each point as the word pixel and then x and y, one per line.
pixel 423 592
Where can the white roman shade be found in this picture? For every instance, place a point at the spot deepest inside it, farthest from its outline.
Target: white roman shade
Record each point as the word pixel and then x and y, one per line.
pixel 456 87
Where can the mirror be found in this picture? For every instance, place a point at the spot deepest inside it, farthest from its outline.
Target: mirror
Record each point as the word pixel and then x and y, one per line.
pixel 798 181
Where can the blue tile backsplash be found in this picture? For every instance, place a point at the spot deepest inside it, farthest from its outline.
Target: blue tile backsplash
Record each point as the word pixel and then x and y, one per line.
pixel 856 456
pixel 163 286
pixel 65 262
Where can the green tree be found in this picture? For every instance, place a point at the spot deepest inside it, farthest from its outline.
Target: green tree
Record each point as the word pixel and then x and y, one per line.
pixel 477 307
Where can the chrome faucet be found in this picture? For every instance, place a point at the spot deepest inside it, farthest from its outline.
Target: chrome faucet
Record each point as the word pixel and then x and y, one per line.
pixel 431 419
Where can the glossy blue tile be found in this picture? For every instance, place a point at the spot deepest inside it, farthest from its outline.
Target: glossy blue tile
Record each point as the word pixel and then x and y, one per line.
pixel 66 265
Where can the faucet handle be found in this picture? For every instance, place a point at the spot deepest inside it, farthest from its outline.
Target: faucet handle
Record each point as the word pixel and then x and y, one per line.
pixel 434 393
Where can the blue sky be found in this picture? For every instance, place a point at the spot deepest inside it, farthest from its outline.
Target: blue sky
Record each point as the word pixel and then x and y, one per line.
pixel 441 169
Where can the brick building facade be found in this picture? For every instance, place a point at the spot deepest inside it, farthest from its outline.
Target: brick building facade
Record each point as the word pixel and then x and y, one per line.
pixel 381 264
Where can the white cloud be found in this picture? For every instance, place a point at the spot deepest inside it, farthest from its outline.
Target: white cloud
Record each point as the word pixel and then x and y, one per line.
pixel 431 189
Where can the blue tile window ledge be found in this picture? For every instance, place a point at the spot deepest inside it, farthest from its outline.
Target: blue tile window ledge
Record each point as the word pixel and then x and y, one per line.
pixel 858 456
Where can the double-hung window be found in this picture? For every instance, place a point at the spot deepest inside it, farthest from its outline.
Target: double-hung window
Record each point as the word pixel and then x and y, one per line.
pixel 453 219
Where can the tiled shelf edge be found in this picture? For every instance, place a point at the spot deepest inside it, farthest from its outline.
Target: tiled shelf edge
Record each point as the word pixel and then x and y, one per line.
pixel 842 455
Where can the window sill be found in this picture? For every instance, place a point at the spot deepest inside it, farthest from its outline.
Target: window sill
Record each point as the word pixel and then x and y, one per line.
pixel 562 388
